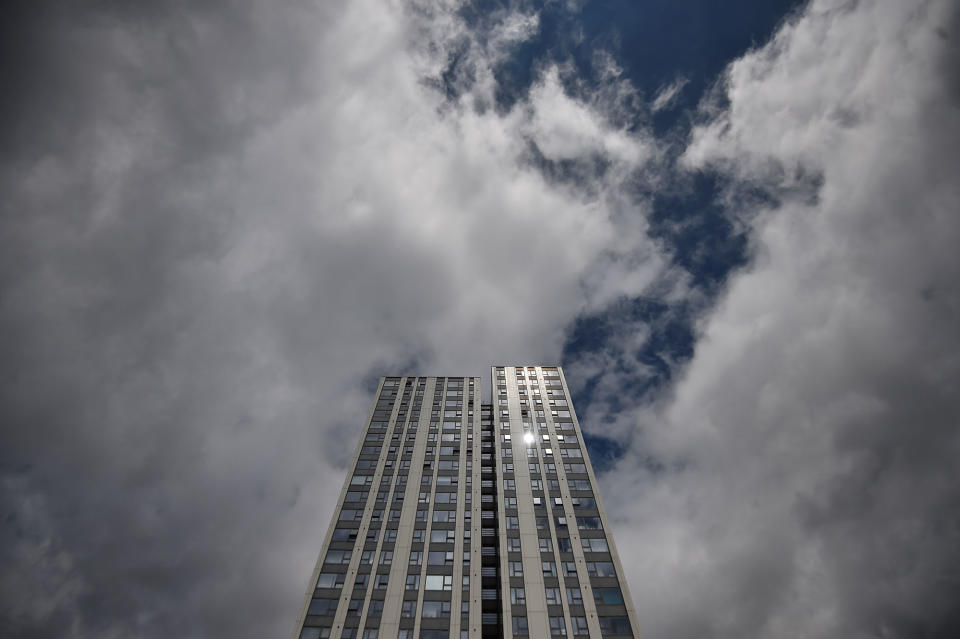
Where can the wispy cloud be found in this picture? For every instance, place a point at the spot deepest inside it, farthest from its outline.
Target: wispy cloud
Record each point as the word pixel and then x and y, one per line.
pixel 668 94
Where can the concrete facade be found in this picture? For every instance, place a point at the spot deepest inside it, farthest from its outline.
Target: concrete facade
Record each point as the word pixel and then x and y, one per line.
pixel 461 519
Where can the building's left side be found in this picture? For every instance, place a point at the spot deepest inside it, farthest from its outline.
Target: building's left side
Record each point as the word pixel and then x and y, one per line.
pixel 377 575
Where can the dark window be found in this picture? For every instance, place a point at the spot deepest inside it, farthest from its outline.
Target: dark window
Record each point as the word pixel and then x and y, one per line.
pixel 322 607
pixel 615 626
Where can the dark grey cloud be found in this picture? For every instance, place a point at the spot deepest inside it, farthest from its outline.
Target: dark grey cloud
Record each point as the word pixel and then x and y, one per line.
pixel 217 222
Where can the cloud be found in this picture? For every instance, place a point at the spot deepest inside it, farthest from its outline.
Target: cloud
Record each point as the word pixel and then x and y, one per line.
pixel 218 223
pixel 799 481
pixel 668 94
pixel 221 221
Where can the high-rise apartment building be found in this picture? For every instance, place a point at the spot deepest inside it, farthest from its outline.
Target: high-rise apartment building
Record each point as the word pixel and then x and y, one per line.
pixel 461 519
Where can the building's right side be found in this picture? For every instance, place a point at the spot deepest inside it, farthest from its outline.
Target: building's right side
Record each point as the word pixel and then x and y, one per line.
pixel 559 567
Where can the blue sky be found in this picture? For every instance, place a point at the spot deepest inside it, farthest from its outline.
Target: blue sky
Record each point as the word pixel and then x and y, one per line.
pixel 734 224
pixel 657 45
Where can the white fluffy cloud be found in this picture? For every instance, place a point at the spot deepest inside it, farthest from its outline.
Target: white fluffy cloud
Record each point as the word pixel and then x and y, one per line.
pixel 220 221
pixel 808 484
pixel 251 209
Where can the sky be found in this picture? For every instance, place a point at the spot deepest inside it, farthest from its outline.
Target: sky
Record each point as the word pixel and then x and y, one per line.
pixel 734 224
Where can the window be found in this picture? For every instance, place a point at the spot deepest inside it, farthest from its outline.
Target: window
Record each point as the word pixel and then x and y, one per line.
pixel 513 523
pixel 549 569
pixel 574 598
pixel 322 607
pixel 519 625
pixel 517 597
pixel 315 633
pixel 513 544
pixel 553 596
pixel 330 580
pixel 371 633
pixel 440 558
pixel 589 523
pixel 434 609
pixel 546 545
pixel 438 582
pixel 338 557
pixel 443 516
pixel 376 608
pixel 563 544
pixel 585 503
pixel 579 625
pixel 413 582
pixel 386 557
pixel 615 626
pixel 360 583
pixel 595 545
pixel 600 569
pixel 408 609
pixel 442 536
pixel 557 627
pixel 516 569
pixel 381 582
pixel 609 596
pixel 569 569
